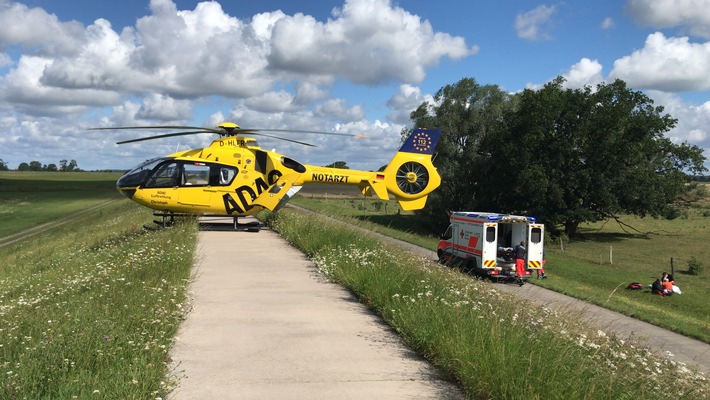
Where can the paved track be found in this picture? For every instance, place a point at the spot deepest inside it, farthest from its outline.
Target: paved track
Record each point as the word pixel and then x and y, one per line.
pixel 264 325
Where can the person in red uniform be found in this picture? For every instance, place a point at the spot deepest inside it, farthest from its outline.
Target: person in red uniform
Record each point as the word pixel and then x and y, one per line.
pixel 520 262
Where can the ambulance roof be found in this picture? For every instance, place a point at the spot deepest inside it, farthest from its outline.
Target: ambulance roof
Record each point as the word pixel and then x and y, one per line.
pixel 493 217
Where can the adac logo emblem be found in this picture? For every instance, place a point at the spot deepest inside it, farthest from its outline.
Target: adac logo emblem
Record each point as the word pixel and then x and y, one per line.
pixel 421 142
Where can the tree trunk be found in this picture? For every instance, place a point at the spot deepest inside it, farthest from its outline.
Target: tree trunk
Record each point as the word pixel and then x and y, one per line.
pixel 571 228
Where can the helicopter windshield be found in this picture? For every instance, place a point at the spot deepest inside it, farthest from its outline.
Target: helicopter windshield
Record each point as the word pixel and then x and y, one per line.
pixel 137 175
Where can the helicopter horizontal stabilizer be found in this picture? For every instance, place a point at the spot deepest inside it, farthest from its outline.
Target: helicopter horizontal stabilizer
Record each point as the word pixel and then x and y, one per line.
pixel 370 186
pixel 409 205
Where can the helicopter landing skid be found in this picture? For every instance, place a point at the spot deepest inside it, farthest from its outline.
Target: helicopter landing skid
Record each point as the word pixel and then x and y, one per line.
pixel 222 223
pixel 207 222
pixel 167 220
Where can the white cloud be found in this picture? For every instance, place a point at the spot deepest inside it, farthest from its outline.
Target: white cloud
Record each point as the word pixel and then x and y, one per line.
pixel 585 73
pixel 201 52
pixel 667 64
pixel 338 109
pixel 406 100
pixel 607 23
pixel 693 119
pixel 368 42
pixel 530 25
pixel 165 108
pixel 29 27
pixel 307 92
pixel 279 101
pixel 692 16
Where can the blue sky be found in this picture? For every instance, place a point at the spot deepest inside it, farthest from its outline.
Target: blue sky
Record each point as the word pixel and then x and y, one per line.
pixel 355 66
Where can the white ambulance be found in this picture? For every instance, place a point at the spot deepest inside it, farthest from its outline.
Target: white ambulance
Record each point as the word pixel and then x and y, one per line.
pixel 484 243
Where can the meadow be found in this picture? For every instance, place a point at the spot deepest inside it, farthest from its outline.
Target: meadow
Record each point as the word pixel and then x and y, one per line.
pixel 596 267
pixel 28 199
pixel 89 309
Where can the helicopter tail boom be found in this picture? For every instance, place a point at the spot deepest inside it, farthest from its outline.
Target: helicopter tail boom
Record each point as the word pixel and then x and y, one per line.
pixel 409 177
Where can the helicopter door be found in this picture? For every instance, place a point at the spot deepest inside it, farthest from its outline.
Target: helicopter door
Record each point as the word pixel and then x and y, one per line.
pixel 195 188
pixel 161 188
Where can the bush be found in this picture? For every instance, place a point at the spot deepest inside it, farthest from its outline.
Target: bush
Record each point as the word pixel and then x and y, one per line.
pixel 694 266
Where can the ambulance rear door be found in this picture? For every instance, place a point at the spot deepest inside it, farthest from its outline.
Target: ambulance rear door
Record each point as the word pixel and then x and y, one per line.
pixel 489 247
pixel 535 245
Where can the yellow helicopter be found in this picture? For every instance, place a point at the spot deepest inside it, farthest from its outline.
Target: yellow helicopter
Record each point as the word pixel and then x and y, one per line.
pixel 234 177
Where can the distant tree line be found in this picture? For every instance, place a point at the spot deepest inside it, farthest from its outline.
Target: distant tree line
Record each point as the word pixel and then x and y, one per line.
pixel 64 166
pixel 566 156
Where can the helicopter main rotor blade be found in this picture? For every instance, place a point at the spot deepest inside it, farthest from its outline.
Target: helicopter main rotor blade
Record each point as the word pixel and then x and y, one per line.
pixel 303 131
pixel 226 129
pixel 209 130
pixel 280 138
pixel 163 136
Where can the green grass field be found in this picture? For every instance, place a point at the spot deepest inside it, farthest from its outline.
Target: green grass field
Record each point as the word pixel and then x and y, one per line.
pixel 28 199
pixel 583 268
pixel 90 308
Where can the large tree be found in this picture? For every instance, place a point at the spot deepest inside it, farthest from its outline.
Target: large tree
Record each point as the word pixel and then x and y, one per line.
pixel 576 155
pixel 467 113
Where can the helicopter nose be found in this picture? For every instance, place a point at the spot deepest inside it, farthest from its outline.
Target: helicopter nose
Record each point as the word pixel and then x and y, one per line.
pixel 127 192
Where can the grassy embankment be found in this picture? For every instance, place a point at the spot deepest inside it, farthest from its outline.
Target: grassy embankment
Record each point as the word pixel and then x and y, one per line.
pixel 29 199
pixel 89 309
pixel 481 337
pixel 582 268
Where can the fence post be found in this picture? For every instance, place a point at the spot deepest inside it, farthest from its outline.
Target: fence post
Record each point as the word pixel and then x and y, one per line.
pixel 672 268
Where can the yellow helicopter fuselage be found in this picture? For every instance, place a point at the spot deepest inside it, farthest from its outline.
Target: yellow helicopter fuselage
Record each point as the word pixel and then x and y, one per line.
pixel 235 177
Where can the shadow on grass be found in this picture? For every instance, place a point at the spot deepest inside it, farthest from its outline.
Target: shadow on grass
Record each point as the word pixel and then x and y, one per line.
pixel 607 237
pixel 406 223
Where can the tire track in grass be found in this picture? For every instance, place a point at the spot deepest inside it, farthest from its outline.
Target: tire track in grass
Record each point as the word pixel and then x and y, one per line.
pixel 16 237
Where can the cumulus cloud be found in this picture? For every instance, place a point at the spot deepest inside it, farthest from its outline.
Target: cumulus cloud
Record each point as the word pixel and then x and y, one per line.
pixel 530 25
pixel 693 119
pixel 338 109
pixel 164 108
pixel 367 41
pixel 585 73
pixel 691 16
pixel 30 27
pixel 203 52
pixel 406 100
pixel 667 64
pixel 279 101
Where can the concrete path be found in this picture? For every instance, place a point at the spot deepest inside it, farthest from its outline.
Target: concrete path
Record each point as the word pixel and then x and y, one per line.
pixel 264 325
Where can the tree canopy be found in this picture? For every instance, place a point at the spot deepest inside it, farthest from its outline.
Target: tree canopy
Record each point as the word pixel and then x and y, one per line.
pixel 566 156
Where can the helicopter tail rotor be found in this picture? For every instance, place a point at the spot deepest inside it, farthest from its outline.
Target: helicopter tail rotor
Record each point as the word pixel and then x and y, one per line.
pixel 411 175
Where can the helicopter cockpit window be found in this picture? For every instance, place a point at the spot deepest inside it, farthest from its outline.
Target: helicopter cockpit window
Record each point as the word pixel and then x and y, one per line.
pixel 137 175
pixel 167 175
pixel 196 174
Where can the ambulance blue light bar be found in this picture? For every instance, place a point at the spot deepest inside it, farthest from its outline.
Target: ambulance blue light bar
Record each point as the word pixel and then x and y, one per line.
pixel 501 217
